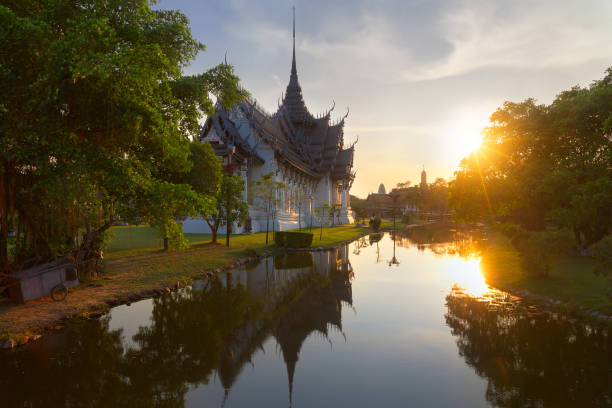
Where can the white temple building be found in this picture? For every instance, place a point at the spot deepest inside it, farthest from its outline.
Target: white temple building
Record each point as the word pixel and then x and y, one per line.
pixel 305 152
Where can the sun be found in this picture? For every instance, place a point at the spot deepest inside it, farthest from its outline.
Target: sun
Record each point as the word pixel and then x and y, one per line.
pixel 463 132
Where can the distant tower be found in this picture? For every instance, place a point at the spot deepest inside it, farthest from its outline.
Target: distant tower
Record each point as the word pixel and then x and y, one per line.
pixel 423 178
pixel 381 189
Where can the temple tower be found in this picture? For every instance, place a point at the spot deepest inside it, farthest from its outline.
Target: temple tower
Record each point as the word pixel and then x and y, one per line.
pixel 423 178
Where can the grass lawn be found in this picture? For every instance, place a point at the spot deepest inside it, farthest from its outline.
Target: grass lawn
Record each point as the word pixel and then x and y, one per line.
pixel 146 266
pixel 571 278
pixel 332 235
pixel 142 237
pixel 133 238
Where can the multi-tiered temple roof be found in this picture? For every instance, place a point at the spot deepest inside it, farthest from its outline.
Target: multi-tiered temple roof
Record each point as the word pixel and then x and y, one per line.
pixel 312 144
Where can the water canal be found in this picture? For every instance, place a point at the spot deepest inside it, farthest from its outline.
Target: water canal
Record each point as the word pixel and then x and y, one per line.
pixel 354 327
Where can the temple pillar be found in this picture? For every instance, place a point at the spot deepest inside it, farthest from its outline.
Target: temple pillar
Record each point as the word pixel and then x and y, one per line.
pixel 345 214
pixel 245 189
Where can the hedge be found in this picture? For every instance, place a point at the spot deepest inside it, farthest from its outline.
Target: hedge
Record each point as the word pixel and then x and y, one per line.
pixel 293 239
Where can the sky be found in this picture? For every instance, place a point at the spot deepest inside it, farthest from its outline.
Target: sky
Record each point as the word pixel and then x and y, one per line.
pixel 420 77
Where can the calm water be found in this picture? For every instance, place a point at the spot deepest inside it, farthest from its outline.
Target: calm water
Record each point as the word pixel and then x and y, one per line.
pixel 355 327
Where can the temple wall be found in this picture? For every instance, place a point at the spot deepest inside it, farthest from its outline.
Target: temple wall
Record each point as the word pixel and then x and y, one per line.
pixel 323 191
pixel 288 216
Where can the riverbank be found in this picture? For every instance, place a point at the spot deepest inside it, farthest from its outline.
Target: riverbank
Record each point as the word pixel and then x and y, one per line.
pixel 572 286
pixel 132 275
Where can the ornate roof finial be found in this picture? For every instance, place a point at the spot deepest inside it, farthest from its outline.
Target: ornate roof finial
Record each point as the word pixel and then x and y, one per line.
pixel 293 67
pixel 347 113
pixel 331 109
pixel 293 100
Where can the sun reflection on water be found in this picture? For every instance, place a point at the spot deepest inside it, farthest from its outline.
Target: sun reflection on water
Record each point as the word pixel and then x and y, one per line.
pixel 466 274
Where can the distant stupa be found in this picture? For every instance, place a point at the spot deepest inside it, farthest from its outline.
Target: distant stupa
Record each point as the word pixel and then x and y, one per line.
pixel 423 178
pixel 381 189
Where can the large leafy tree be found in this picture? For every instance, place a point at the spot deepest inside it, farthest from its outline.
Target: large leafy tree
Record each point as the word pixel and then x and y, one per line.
pixel 544 164
pixel 95 119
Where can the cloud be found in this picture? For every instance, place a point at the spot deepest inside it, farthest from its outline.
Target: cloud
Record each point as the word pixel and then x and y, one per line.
pixel 531 35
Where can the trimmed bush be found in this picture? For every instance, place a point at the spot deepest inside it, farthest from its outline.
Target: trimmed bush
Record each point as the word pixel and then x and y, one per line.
pixel 293 239
pixel 375 223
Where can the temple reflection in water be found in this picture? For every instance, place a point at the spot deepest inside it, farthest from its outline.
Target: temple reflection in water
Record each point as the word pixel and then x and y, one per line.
pixel 301 294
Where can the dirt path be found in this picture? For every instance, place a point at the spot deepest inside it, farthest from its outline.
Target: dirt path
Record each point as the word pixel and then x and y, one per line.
pixel 121 284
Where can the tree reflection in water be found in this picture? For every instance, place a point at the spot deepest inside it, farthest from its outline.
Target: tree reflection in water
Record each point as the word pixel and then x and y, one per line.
pixel 88 365
pixel 532 359
pixel 214 327
pixel 442 240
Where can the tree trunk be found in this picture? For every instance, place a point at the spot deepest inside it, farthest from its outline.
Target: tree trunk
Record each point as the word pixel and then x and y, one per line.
pixel 273 225
pixel 578 239
pixel 3 229
pixel 18 235
pixel 321 233
pixel 311 218
pixel 214 228
pixel 227 235
pixel 166 244
pixel 90 252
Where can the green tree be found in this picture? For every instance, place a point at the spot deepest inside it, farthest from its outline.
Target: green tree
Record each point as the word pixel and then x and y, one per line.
pixel 265 192
pixel 545 164
pixel 360 206
pixel 95 116
pixel 322 212
pixel 232 207
pixel 167 202
pixel 300 197
pixel 206 173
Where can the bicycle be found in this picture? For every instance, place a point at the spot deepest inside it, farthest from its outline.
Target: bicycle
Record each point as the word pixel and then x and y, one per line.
pixel 59 292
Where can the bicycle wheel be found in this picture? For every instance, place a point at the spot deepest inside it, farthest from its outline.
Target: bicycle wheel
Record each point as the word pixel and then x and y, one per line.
pixel 59 292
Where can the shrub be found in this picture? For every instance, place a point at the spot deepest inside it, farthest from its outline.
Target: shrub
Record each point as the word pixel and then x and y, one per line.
pixel 538 249
pixel 375 223
pixel 602 252
pixel 293 239
pixel 407 218
pixel 374 238
pixel 510 230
